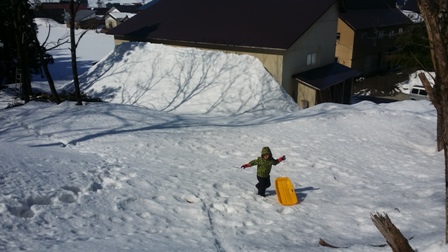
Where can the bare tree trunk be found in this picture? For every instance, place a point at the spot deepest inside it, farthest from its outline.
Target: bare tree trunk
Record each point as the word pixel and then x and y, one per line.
pixel 393 236
pixel 435 101
pixel 21 51
pixel 435 14
pixel 73 52
pixel 446 194
pixel 47 73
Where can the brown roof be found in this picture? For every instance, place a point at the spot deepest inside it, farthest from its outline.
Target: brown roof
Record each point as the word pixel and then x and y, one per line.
pixel 274 24
pixel 374 18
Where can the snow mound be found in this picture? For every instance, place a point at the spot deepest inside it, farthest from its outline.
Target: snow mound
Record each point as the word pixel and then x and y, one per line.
pixel 184 80
pixel 406 86
pixel 46 22
pixel 414 17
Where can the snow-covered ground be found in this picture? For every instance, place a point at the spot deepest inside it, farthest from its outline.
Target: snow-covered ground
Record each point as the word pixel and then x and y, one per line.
pixel 115 176
pixel 406 86
pixel 94 3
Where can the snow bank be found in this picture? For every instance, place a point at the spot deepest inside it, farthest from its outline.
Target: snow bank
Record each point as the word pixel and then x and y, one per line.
pixel 184 80
pixel 406 86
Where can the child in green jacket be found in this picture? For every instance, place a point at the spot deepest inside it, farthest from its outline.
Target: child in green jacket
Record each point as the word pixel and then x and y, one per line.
pixel 264 165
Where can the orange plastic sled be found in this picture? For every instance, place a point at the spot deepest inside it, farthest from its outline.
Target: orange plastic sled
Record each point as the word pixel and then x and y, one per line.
pixel 285 191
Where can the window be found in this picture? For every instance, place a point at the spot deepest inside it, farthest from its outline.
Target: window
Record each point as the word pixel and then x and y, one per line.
pixel 400 31
pixel 338 37
pixel 380 34
pixel 363 35
pixel 311 59
pixel 375 38
pixel 391 34
pixel 419 91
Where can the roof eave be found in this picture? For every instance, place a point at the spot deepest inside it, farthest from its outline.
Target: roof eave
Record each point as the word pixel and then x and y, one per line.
pixel 206 45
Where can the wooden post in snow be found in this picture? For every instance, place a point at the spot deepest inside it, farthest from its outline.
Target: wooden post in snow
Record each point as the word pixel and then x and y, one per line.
pixel 393 236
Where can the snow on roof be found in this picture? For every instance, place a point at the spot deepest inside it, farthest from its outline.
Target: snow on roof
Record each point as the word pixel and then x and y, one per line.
pixel 121 15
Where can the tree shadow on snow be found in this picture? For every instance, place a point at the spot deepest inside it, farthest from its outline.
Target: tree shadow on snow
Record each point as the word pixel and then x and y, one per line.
pixel 104 69
pixel 61 69
pixel 161 121
pixel 191 75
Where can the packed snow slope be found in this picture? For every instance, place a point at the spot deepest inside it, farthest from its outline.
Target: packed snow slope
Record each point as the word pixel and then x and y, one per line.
pixel 110 177
pixel 164 175
pixel 184 80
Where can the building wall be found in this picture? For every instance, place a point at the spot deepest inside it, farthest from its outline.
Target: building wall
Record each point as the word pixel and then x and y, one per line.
pixel 307 96
pixel 368 49
pixel 119 41
pixel 344 45
pixel 319 39
pixel 272 62
pixel 111 23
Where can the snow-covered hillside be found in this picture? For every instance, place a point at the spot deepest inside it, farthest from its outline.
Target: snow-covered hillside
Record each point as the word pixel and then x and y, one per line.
pixel 112 176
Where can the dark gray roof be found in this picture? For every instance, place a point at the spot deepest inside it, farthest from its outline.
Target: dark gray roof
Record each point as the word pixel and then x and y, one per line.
pixel 274 24
pixel 374 18
pixel 81 15
pixel 56 14
pixel 130 8
pixel 147 5
pixel 101 11
pixel 326 76
pixel 411 5
pixel 366 4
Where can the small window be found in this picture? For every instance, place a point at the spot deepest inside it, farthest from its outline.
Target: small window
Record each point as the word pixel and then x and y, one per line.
pixel 311 59
pixel 414 91
pixel 400 31
pixel 423 92
pixel 375 38
pixel 380 34
pixel 391 34
pixel 363 35
pixel 338 36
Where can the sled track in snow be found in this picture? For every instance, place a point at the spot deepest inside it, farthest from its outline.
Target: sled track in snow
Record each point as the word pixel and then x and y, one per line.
pixel 217 241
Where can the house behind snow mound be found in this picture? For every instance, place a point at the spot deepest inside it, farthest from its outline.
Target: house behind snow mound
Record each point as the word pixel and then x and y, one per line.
pixel 289 37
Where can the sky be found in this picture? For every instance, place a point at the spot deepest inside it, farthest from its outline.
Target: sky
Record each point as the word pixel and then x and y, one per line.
pixel 162 172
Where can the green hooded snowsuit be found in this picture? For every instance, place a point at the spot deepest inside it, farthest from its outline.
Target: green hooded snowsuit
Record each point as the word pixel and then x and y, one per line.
pixel 264 165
